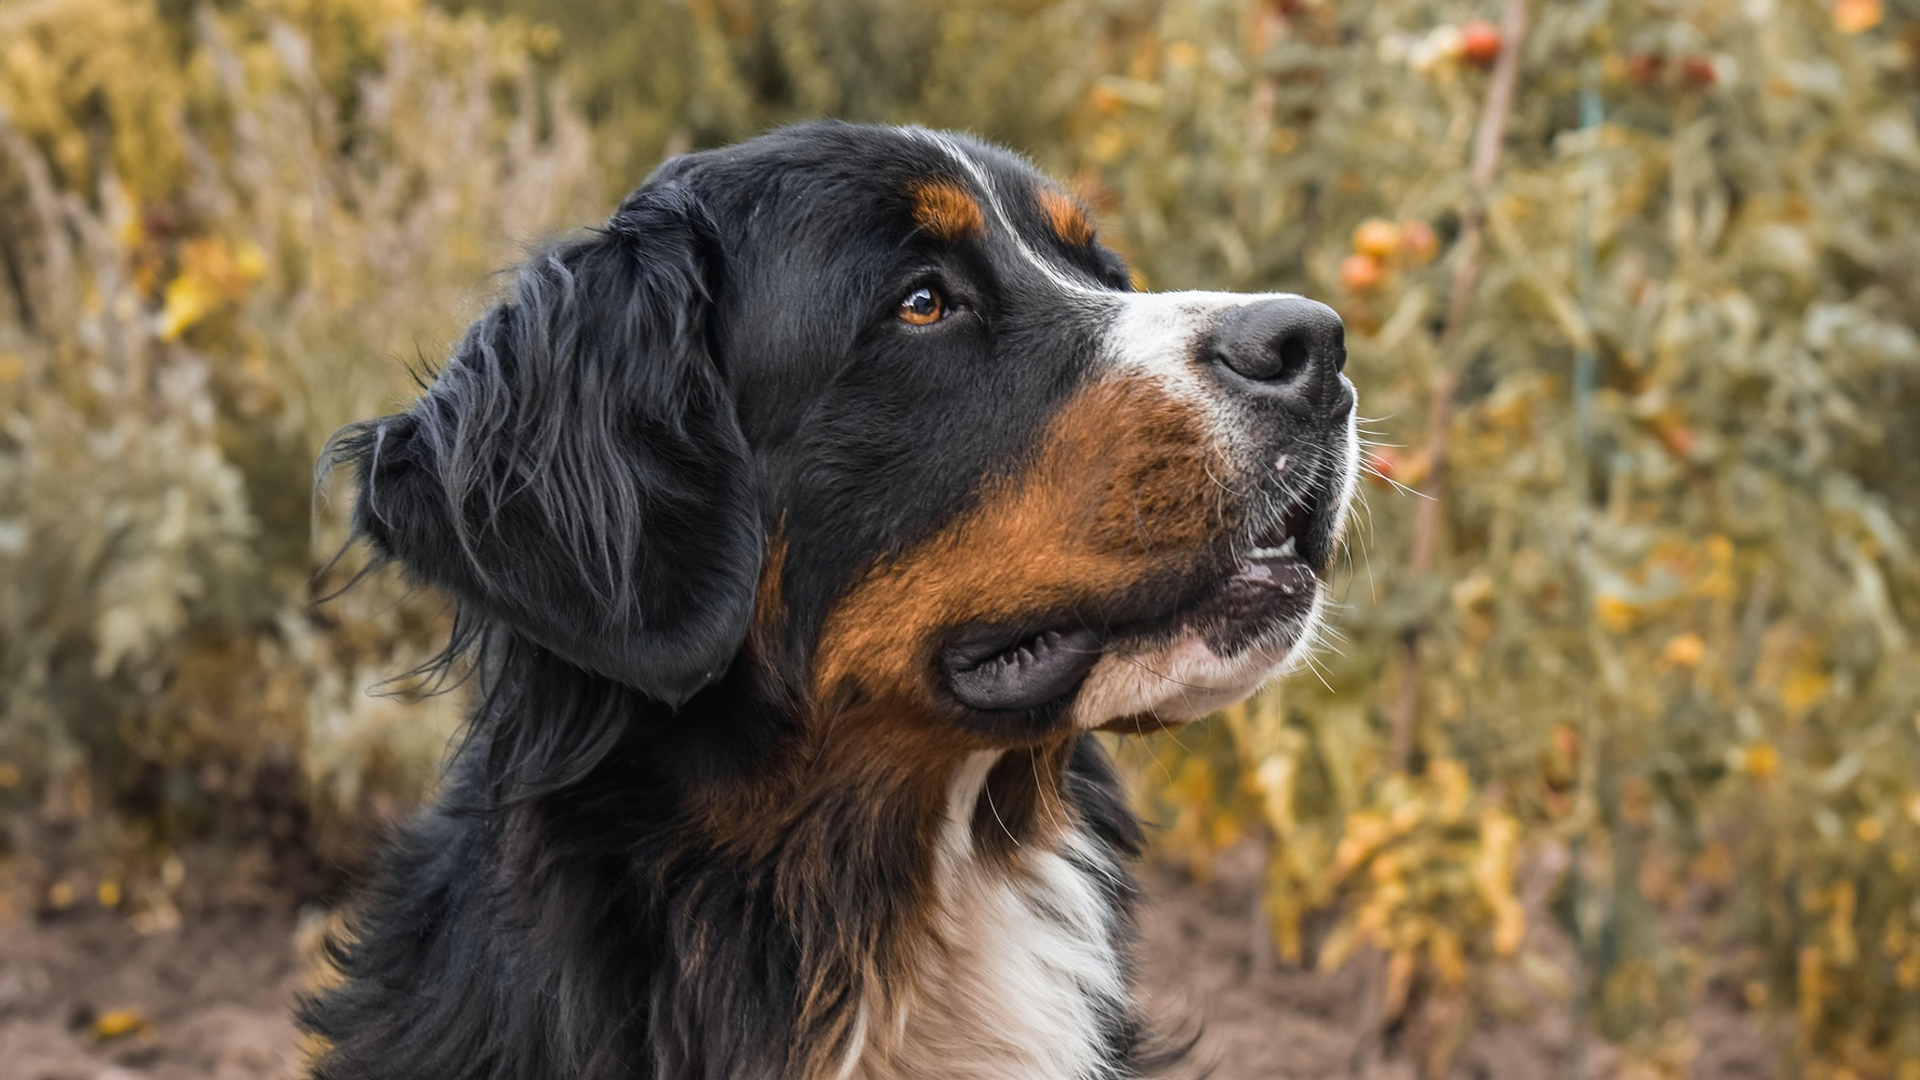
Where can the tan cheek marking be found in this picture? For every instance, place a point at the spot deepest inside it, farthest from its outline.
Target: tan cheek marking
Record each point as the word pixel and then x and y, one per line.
pixel 1122 488
pixel 1069 222
pixel 947 211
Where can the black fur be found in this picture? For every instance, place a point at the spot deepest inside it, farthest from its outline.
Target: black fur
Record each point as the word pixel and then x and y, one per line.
pixel 576 470
pixel 599 476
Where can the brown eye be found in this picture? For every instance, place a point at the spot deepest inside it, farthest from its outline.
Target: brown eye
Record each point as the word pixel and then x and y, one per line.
pixel 923 306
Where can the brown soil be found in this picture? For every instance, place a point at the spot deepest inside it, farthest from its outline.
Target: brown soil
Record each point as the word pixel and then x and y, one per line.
pixel 1261 1020
pixel 211 1000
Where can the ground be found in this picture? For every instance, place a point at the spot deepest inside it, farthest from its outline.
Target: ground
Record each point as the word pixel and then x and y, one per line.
pixel 85 997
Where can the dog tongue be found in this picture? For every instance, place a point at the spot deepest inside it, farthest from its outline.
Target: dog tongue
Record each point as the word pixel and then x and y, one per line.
pixel 1026 675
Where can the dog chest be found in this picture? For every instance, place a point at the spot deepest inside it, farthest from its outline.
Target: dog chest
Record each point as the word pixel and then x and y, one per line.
pixel 1026 977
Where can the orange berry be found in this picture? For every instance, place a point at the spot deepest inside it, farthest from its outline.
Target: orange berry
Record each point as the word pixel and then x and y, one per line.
pixel 1854 16
pixel 1566 741
pixel 1684 650
pixel 1106 100
pixel 1361 273
pixel 1377 237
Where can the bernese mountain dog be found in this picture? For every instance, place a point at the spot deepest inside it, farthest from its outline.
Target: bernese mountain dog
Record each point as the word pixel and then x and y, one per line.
pixel 806 520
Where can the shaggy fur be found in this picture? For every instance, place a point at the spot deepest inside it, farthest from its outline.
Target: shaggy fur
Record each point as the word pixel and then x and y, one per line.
pixel 805 520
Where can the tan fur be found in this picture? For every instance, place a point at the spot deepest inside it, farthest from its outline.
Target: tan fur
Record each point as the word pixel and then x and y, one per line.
pixel 1068 221
pixel 947 211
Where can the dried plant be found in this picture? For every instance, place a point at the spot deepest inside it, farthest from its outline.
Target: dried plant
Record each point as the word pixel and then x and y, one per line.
pixel 226 248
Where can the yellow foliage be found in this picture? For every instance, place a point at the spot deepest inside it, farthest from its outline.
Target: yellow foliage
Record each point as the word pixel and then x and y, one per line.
pixel 1760 761
pixel 1182 54
pixel 1493 877
pixel 1429 869
pixel 117 1023
pixel 1617 613
pixel 63 64
pixel 250 181
pixel 188 178
pixel 1803 688
pixel 212 274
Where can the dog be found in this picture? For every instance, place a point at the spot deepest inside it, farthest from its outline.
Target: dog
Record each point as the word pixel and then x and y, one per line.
pixel 806 520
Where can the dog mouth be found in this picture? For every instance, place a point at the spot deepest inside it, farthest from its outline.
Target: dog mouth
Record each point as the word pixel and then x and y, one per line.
pixel 986 672
pixel 1272 586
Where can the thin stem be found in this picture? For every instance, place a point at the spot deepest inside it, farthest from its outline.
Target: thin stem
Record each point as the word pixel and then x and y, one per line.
pixel 1488 140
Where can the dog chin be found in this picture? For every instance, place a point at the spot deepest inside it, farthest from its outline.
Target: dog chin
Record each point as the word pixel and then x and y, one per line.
pixel 1146 687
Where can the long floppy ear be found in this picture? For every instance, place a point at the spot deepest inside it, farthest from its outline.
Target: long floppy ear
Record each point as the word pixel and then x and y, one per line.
pixel 577 471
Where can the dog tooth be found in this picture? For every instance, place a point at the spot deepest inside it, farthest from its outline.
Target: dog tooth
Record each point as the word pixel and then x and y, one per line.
pixel 1288 550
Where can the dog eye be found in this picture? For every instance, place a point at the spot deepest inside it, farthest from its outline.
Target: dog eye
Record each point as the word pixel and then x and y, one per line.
pixel 923 306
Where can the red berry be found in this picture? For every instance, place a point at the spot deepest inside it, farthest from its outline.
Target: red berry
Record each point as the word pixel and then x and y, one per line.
pixel 1698 71
pixel 1382 464
pixel 1480 43
pixel 1645 68
pixel 1418 242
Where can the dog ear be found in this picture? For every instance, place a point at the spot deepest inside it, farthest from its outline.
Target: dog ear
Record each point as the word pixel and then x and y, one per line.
pixel 576 472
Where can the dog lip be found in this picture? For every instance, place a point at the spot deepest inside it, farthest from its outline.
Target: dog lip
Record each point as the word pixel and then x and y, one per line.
pixel 999 670
pixel 1274 579
pixel 1287 531
pixel 1286 572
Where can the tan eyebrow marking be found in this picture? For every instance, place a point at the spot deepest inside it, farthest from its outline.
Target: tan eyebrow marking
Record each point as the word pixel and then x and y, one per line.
pixel 1069 222
pixel 947 211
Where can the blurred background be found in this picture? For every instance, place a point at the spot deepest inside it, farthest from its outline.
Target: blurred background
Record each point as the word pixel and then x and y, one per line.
pixel 1613 768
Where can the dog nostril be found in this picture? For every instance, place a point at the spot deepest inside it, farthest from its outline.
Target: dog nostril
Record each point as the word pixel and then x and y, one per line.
pixel 1293 358
pixel 1286 344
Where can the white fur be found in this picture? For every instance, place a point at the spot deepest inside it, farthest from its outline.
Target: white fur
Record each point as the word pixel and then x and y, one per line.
pixel 1028 962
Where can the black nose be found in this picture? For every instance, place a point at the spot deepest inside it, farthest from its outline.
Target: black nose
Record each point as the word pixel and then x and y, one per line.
pixel 1291 345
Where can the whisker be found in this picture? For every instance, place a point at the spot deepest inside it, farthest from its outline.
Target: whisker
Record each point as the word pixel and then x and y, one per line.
pixel 1397 485
pixel 1307 658
pixel 986 789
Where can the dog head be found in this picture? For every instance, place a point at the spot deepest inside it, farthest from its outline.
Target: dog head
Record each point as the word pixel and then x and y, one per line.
pixel 870 413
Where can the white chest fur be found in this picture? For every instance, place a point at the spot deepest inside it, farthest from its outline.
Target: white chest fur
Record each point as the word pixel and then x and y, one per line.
pixel 1028 970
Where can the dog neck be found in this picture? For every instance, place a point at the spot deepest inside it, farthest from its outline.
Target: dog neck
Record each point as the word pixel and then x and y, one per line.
pixel 962 918
pixel 935 912
pixel 1021 970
